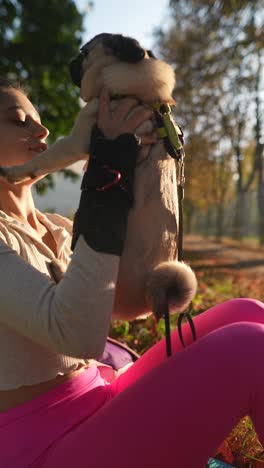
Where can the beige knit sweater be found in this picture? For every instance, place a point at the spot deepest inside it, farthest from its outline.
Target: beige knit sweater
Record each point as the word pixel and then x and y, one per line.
pixel 46 328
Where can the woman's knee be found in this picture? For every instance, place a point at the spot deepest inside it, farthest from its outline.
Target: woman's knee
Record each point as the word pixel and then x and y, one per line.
pixel 246 307
pixel 242 338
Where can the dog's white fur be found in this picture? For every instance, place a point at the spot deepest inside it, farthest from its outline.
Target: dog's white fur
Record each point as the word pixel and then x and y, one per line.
pixel 148 80
pixel 148 266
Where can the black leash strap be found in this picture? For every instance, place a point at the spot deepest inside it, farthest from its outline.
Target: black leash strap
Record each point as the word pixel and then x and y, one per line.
pixel 186 315
pixel 183 316
pixel 173 138
pixel 167 330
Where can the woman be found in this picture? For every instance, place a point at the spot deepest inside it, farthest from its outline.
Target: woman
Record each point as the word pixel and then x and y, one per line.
pixel 56 409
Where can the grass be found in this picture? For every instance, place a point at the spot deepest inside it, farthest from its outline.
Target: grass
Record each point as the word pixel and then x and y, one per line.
pixel 241 448
pixel 246 243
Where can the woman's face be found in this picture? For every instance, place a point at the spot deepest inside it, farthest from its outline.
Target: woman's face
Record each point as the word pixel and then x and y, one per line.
pixel 22 135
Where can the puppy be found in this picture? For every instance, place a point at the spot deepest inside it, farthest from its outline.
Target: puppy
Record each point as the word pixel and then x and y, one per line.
pixel 149 273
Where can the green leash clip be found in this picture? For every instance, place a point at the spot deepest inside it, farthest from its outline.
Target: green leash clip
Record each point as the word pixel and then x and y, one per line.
pixel 169 130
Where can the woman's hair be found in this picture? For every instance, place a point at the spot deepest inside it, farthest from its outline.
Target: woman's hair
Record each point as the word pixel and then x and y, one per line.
pixel 7 83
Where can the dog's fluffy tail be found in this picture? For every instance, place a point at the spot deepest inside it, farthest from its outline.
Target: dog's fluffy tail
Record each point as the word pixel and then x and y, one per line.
pixel 171 281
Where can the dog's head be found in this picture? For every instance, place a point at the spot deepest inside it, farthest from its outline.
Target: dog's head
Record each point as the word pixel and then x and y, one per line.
pixel 124 67
pixel 124 49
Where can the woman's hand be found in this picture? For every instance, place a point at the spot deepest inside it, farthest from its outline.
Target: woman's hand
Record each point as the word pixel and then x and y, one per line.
pixel 125 118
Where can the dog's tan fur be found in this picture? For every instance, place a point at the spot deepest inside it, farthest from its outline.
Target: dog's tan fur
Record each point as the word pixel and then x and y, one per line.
pixel 148 266
pixel 148 80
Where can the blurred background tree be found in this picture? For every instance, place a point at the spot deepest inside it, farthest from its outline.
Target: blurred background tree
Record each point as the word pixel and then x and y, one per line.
pixel 217 50
pixel 37 42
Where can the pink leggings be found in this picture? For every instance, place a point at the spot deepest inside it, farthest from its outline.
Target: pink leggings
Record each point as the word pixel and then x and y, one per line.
pixel 175 412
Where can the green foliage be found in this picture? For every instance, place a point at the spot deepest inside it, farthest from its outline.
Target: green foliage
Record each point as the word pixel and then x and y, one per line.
pixel 139 334
pixel 37 42
pixel 217 50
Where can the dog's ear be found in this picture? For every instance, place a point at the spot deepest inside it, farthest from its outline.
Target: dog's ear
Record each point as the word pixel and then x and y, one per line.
pixel 151 55
pixel 75 68
pixel 126 49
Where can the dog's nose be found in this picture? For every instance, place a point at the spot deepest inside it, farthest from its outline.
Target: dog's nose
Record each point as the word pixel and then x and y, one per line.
pixel 75 68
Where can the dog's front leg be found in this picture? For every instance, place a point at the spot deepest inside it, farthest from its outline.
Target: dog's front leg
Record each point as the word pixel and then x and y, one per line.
pixel 62 153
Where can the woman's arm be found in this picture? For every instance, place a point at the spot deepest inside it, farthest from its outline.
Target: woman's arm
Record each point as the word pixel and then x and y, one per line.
pixel 71 317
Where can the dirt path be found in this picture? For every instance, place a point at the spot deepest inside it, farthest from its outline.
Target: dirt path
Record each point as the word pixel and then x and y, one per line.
pixel 206 254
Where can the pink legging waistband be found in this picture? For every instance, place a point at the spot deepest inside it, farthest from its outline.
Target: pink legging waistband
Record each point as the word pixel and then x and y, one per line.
pixel 35 425
pixel 161 412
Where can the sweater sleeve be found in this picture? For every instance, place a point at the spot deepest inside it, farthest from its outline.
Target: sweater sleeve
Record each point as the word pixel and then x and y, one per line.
pixel 71 317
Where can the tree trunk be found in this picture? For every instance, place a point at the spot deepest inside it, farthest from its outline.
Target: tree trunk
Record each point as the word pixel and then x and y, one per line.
pixel 260 195
pixel 259 159
pixel 189 211
pixel 238 230
pixel 219 221
pixel 208 222
pixel 261 213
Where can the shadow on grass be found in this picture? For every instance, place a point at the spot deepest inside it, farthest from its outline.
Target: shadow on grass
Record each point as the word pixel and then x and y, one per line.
pixel 245 264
